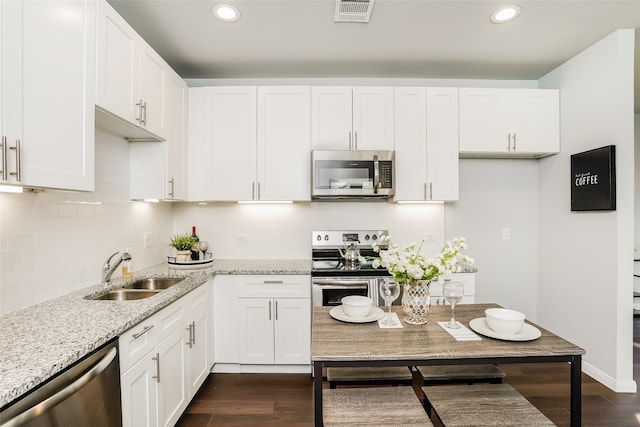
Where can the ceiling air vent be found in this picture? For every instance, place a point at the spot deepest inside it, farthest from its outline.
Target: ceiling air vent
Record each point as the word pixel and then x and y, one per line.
pixel 353 10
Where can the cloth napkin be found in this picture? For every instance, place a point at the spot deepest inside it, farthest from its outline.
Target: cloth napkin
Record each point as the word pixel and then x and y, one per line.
pixel 460 334
pixel 394 316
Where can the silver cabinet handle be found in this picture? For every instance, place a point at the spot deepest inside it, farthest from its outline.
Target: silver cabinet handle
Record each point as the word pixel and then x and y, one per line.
pixel 431 191
pixel 18 149
pixel 508 142
pixel 142 332
pixel 157 375
pixel 350 144
pixel 258 190
pixel 4 159
pixel 355 139
pixel 514 141
pixel 253 191
pixel 139 111
pixel 143 118
pixel 190 342
pixel 273 281
pixel 276 309
pixel 269 310
pixel 193 328
pixel 50 402
pixel 425 191
pixel 171 188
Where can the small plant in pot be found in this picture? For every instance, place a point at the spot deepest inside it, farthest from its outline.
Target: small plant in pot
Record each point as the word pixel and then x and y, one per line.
pixel 182 243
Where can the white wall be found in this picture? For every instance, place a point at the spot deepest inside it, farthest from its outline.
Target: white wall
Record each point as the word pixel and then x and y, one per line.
pixel 497 194
pixel 585 258
pixel 52 244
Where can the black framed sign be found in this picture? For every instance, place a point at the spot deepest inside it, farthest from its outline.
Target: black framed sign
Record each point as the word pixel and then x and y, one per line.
pixel 593 180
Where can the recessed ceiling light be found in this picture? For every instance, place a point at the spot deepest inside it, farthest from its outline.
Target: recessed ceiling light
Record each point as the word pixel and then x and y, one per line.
pixel 505 14
pixel 226 12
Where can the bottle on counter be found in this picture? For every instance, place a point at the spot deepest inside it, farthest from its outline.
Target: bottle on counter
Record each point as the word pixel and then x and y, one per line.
pixel 195 249
pixel 126 267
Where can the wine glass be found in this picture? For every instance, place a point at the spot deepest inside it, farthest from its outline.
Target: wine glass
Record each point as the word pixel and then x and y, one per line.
pixel 453 293
pixel 204 245
pixel 389 291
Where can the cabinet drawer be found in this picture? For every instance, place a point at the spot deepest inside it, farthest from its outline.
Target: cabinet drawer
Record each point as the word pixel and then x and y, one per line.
pixel 275 286
pixel 198 298
pixel 170 318
pixel 136 342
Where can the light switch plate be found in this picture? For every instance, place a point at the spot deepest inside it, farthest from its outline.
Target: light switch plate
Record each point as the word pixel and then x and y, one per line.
pixel 148 239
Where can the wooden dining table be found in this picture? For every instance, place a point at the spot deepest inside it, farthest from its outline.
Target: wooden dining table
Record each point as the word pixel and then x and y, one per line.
pixel 339 343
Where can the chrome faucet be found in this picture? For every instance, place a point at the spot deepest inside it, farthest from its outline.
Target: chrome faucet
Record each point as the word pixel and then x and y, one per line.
pixel 108 269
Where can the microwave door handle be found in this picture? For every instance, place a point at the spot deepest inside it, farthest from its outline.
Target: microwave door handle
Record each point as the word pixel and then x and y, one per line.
pixel 376 174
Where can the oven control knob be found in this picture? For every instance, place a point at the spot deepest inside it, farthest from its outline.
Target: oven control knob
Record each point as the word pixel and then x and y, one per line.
pixel 366 237
pixel 318 237
pixel 374 237
pixel 326 237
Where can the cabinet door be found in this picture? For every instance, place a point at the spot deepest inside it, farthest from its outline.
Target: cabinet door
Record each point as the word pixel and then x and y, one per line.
pixel 292 331
pixel 229 153
pixel 482 120
pixel 49 116
pixel 255 330
pixel 175 131
pixel 118 68
pixel 199 350
pixel 225 312
pixel 138 393
pixel 442 144
pixel 411 143
pixel 283 156
pixel 373 118
pixel 534 121
pixel 152 86
pixel 331 118
pixel 173 395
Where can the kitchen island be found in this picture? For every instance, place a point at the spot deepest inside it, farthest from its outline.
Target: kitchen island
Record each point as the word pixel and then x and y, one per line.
pixel 336 343
pixel 40 341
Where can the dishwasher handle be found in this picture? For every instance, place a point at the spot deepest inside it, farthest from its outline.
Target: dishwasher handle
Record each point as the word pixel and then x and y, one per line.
pixel 53 400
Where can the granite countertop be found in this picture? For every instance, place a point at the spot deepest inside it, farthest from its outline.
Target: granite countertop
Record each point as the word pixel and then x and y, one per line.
pixel 39 341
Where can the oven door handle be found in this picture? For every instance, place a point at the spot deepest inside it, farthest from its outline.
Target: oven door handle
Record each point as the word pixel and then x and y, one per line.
pixel 340 282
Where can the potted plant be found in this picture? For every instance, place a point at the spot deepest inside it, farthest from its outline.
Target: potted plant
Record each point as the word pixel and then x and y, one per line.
pixel 182 243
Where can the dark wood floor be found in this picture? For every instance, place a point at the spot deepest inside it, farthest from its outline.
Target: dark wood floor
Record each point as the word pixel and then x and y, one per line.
pixel 280 399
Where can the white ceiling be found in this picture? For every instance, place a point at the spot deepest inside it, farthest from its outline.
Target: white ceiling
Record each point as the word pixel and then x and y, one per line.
pixel 405 38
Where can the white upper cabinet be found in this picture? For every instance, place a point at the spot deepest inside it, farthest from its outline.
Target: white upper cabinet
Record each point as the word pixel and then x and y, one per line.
pixel 352 118
pixel 284 144
pixel 48 90
pixel 426 138
pixel 130 79
pixel 247 143
pixel 175 108
pixel 509 122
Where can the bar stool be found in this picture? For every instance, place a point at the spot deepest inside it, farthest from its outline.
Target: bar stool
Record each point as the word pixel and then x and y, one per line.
pixel 384 375
pixel 482 405
pixel 460 374
pixel 373 406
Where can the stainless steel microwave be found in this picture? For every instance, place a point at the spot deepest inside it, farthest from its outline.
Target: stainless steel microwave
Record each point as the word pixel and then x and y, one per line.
pixel 352 174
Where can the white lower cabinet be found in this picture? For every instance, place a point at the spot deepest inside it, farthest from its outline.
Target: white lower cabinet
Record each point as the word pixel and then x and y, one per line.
pixel 271 326
pixel 164 360
pixel 468 280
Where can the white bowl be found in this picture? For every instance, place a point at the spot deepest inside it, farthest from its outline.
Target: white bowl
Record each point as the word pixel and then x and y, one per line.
pixel 504 321
pixel 357 306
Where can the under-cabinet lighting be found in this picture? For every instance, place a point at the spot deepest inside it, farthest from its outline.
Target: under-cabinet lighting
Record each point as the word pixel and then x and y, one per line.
pixel 264 202
pixel 505 14
pixel 202 203
pixel 419 202
pixel 152 200
pixel 10 189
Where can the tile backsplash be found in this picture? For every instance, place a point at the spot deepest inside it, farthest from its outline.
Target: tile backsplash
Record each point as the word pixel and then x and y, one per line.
pixel 55 242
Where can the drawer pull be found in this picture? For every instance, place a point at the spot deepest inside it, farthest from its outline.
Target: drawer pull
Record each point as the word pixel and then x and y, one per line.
pixel 142 332
pixel 272 281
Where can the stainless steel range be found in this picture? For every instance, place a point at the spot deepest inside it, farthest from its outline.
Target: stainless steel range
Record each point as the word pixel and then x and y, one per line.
pixel 336 270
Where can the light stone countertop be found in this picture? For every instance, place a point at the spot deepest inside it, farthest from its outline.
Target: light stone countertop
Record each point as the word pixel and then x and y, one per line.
pixel 39 341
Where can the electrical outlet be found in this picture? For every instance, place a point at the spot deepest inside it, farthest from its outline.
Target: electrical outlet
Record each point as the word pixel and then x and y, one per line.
pixel 242 238
pixel 428 237
pixel 148 239
pixel 506 233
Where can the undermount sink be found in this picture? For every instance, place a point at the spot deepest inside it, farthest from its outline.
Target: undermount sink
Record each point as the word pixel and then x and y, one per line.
pixel 127 294
pixel 154 283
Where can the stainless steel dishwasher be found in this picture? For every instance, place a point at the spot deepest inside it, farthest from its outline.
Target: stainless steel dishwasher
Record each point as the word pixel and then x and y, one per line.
pixel 86 394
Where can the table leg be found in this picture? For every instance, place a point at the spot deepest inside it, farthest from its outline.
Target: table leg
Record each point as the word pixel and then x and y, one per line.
pixel 317 393
pixel 576 391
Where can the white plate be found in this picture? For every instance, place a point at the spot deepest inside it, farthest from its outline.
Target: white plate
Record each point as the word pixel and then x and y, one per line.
pixel 339 314
pixel 527 333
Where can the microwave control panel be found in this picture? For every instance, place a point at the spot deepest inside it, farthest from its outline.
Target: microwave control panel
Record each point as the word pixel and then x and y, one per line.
pixel 386 174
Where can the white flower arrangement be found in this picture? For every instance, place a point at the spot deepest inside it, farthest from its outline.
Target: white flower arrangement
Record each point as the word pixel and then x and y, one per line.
pixel 410 263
